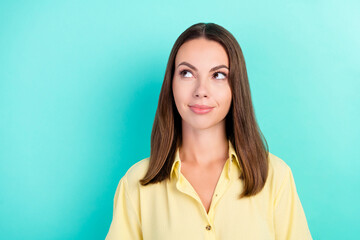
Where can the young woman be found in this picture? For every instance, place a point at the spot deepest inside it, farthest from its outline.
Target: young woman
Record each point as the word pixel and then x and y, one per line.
pixel 210 174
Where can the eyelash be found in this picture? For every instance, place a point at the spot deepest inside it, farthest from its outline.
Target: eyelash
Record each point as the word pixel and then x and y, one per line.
pixel 184 71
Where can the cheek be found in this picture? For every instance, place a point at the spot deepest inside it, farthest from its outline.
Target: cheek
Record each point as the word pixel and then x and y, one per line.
pixel 175 92
pixel 224 96
pixel 178 94
pixel 181 93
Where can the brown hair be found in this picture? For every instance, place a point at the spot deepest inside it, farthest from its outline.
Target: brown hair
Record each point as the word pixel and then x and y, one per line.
pixel 241 126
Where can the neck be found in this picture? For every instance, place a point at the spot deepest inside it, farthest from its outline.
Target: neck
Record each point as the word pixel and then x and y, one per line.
pixel 204 147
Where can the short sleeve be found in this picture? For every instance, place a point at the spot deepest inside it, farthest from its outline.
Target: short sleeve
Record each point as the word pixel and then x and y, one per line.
pixel 290 220
pixel 125 223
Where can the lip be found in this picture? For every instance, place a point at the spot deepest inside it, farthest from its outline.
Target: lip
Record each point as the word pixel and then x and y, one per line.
pixel 200 109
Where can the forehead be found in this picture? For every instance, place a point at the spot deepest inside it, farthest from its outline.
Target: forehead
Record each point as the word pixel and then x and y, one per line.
pixel 202 52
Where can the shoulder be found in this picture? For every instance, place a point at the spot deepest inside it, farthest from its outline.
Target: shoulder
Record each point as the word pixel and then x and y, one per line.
pixel 279 171
pixel 128 186
pixel 135 173
pixel 277 165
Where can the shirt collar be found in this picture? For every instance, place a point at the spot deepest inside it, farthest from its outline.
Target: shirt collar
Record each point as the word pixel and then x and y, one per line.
pixel 234 161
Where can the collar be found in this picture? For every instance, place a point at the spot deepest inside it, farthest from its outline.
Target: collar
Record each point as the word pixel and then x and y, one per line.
pixel 231 162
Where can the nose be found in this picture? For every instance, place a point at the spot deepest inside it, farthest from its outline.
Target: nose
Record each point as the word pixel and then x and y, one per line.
pixel 200 89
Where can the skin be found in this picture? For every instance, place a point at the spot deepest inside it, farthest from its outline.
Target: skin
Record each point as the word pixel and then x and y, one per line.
pixel 204 150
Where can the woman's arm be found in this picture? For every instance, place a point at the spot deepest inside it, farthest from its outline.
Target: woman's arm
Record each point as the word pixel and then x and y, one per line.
pixel 290 220
pixel 126 222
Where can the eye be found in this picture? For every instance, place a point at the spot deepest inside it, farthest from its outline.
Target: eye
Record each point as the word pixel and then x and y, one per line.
pixel 221 74
pixel 186 73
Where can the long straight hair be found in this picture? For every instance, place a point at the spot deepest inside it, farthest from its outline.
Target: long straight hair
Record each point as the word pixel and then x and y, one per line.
pixel 241 125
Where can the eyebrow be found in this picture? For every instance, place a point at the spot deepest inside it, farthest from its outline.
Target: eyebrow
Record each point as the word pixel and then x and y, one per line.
pixel 195 69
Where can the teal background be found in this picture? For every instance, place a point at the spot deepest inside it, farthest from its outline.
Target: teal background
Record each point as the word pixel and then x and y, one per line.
pixel 79 85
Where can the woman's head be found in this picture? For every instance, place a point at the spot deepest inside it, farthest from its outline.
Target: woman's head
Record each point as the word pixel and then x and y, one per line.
pixel 200 86
pixel 236 73
pixel 241 127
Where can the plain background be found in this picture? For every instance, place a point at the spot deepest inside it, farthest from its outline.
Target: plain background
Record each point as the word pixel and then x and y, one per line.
pixel 79 85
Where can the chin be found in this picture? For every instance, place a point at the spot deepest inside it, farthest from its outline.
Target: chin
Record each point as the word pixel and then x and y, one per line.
pixel 202 125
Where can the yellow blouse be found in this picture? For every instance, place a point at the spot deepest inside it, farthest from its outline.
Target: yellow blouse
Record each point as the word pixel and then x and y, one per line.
pixel 172 209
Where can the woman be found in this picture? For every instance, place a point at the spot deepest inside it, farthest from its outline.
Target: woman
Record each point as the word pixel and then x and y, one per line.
pixel 209 174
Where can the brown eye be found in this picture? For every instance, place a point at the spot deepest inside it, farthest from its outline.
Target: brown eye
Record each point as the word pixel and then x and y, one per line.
pixel 221 75
pixel 186 73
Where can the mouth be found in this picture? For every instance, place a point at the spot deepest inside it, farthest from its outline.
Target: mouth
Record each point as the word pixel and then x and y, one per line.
pixel 200 106
pixel 200 109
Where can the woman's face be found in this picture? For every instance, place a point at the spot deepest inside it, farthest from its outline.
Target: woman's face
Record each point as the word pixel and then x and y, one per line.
pixel 200 84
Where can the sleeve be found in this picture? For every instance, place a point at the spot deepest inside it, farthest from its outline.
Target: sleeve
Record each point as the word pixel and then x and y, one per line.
pixel 290 220
pixel 125 222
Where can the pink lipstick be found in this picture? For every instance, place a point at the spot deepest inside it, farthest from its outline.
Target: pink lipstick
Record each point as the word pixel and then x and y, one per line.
pixel 200 109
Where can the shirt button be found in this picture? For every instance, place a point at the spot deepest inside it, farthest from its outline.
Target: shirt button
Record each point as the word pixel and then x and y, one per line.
pixel 208 227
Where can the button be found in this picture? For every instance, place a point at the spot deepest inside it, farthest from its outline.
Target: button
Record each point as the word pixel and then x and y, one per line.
pixel 208 227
